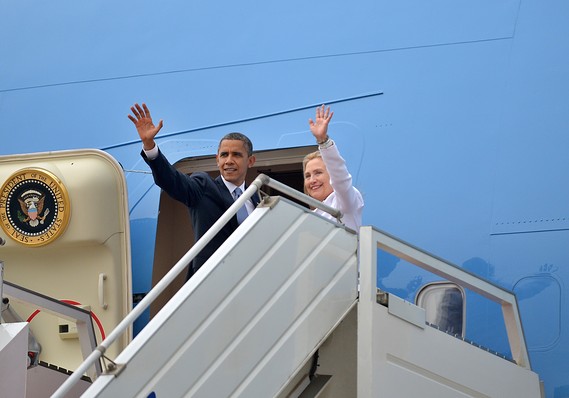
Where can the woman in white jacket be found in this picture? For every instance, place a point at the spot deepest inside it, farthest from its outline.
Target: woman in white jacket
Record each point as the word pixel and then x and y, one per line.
pixel 326 176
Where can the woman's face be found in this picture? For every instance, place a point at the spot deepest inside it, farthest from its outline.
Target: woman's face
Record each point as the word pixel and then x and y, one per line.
pixel 317 179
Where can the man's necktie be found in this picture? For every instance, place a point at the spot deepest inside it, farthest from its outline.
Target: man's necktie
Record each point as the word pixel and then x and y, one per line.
pixel 242 212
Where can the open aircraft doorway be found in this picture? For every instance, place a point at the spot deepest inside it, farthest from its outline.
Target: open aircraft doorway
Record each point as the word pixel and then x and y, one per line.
pixel 174 233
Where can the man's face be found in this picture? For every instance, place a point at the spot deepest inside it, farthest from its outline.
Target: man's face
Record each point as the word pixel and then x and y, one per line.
pixel 233 161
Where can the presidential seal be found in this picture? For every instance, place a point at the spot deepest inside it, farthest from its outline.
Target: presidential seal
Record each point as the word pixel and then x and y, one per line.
pixel 34 207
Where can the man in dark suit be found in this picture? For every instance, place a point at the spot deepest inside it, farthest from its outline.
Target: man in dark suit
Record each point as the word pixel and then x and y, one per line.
pixel 206 198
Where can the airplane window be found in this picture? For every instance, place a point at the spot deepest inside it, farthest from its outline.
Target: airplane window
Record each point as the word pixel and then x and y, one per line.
pixel 444 306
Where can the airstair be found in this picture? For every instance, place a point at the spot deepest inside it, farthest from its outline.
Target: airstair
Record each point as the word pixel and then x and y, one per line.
pixel 288 307
pixel 252 315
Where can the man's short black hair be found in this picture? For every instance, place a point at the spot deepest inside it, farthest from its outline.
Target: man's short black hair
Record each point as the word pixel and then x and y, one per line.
pixel 239 137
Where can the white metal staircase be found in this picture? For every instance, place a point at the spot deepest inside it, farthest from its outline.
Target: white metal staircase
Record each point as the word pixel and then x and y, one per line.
pixel 248 320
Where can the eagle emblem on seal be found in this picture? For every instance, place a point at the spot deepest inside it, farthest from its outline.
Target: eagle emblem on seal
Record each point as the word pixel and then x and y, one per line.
pixel 32 204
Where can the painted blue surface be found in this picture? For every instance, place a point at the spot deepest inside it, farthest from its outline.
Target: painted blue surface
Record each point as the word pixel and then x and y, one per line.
pixel 464 154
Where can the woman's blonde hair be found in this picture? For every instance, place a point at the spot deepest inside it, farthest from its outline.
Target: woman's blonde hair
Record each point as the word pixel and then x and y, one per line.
pixel 308 158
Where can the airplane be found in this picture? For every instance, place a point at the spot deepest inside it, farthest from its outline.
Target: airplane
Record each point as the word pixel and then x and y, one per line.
pixel 451 116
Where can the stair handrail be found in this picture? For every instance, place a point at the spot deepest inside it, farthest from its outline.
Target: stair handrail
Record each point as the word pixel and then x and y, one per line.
pixel 293 193
pixel 372 239
pixel 82 317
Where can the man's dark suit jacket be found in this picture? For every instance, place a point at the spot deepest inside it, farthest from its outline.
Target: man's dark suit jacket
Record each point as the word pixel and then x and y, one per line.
pixel 206 198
